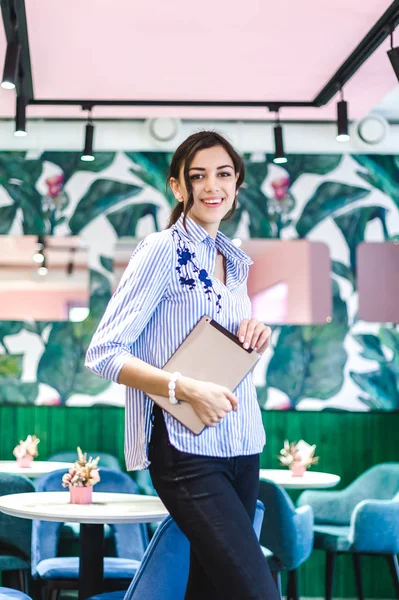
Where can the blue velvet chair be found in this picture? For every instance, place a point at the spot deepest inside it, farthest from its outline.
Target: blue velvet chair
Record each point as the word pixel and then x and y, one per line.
pixel 57 572
pixel 7 593
pixel 286 536
pixel 15 534
pixel 360 519
pixel 106 460
pixel 163 572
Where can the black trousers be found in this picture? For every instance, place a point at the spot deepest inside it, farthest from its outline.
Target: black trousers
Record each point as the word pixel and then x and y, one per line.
pixel 213 501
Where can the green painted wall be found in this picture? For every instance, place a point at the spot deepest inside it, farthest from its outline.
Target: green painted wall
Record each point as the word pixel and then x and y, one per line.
pixel 347 443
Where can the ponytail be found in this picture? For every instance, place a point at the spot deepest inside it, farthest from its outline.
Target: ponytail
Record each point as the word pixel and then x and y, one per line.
pixel 176 213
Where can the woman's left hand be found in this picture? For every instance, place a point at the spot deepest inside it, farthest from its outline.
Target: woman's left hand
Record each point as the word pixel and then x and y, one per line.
pixel 254 334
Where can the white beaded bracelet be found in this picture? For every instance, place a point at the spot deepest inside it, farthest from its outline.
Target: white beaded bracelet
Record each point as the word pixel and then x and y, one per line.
pixel 172 386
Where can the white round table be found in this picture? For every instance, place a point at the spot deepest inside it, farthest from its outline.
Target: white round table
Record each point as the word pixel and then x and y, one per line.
pixel 311 479
pixel 108 508
pixel 37 468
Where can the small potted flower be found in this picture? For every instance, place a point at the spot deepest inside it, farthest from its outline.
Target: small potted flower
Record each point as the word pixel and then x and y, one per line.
pixel 26 451
pixel 81 478
pixel 298 457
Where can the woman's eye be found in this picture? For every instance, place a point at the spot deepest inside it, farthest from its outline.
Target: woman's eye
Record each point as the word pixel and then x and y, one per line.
pixel 225 174
pixel 193 177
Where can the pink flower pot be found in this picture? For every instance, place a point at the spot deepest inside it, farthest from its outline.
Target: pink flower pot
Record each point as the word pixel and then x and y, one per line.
pixel 25 461
pixel 298 470
pixel 81 495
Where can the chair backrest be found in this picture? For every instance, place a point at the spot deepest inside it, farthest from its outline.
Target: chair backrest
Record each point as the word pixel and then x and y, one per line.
pixel 106 460
pixel 15 534
pixel 287 533
pixel 380 482
pixel 7 593
pixel 131 540
pixel 163 572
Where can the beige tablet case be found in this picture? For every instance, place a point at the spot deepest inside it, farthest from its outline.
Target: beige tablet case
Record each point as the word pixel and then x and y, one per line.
pixel 209 353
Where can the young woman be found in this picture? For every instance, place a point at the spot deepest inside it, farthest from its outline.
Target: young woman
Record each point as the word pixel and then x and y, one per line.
pixel 209 482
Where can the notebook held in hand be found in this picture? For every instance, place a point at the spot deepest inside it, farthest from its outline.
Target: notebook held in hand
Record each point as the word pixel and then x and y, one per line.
pixel 209 353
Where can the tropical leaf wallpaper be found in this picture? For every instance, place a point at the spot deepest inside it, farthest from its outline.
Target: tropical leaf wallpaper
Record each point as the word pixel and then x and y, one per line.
pixel 340 200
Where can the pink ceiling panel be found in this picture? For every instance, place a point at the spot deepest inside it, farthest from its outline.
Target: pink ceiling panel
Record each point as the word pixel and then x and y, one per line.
pixel 179 50
pixel 223 50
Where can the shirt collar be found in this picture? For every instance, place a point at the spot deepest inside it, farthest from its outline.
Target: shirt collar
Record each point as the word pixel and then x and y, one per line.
pixel 198 234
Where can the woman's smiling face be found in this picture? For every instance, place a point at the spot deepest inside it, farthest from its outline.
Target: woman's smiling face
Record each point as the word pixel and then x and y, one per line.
pixel 213 181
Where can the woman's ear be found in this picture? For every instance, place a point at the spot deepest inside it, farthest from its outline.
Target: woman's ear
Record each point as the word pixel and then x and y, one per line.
pixel 175 187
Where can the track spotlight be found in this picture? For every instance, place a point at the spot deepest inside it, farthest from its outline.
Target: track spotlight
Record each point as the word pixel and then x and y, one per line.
pixel 279 154
pixel 38 257
pixel 71 262
pixel 20 117
pixel 88 155
pixel 11 66
pixel 41 242
pixel 393 55
pixel 342 121
pixel 43 270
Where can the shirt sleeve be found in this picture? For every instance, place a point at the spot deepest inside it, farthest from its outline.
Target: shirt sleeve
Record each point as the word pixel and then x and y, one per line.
pixel 140 290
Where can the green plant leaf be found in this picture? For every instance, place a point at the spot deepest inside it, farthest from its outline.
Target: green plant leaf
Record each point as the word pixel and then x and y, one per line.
pixel 19 178
pixel 229 227
pixel 100 294
pixel 107 262
pixel 343 271
pixel 18 392
pixel 125 220
pixel 329 197
pixel 308 361
pixel 381 386
pixel 70 162
pixel 353 226
pixel 10 328
pixel 382 173
pixel 390 339
pixel 10 365
pixel 14 165
pixel 254 202
pixel 255 172
pixel 102 195
pixel 153 170
pixel 317 164
pixel 62 363
pixel 30 202
pixel 371 347
pixel 7 216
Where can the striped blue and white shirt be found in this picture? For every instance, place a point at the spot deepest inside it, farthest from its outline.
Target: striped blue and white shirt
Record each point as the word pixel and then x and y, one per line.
pixel 166 288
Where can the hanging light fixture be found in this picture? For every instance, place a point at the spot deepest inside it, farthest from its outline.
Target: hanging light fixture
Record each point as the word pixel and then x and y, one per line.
pixel 279 154
pixel 87 154
pixel 342 120
pixel 43 270
pixel 38 257
pixel 393 55
pixel 11 66
pixel 20 117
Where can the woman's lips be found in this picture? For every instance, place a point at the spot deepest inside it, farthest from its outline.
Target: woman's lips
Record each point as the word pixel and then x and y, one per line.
pixel 212 202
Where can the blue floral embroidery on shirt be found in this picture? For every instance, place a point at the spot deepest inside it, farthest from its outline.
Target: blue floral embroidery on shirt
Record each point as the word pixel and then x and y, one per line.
pixel 186 257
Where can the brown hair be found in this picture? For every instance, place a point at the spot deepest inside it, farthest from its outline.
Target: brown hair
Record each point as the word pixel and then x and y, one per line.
pixel 185 154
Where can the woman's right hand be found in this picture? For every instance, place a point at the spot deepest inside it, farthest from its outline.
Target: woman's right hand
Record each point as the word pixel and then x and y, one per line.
pixel 210 401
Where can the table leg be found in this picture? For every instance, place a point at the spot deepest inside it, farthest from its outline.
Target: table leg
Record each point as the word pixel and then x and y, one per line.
pixel 91 560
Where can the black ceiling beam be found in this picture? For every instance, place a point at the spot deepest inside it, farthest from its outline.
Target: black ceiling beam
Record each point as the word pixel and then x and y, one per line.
pixel 16 30
pixel 361 53
pixel 88 104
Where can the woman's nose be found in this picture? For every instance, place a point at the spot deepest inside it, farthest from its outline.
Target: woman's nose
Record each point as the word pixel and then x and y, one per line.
pixel 211 183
